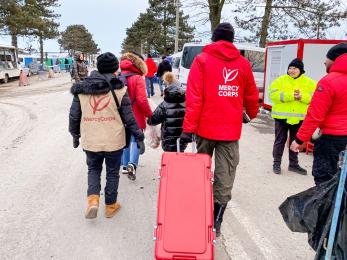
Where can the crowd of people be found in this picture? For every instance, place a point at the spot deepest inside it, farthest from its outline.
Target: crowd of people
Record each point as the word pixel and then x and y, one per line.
pixel 110 111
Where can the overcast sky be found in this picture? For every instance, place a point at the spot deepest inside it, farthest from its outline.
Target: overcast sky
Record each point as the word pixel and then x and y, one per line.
pixel 107 21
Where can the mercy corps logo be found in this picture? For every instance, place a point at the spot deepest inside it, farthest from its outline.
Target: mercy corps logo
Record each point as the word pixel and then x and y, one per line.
pixel 99 104
pixel 228 90
pixel 229 75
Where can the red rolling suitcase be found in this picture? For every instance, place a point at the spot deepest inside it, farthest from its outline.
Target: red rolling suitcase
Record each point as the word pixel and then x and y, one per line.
pixel 184 227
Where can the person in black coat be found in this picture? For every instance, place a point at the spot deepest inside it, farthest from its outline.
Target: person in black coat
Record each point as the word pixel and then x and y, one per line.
pixel 163 67
pixel 170 114
pixel 96 84
pixel 100 115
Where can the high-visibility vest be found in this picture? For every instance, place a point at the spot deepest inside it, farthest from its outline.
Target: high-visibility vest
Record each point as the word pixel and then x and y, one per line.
pixel 284 104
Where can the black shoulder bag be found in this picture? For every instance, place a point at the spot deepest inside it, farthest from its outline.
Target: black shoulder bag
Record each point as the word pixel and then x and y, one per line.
pixel 127 132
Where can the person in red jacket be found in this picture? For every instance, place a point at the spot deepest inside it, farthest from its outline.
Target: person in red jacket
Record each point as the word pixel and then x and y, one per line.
pixel 328 111
pixel 220 85
pixel 132 62
pixel 152 69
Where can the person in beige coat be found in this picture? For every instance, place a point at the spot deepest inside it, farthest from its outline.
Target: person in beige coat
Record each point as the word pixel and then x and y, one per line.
pixel 100 110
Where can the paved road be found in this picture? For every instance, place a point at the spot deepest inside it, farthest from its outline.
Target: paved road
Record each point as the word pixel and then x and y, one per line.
pixel 43 190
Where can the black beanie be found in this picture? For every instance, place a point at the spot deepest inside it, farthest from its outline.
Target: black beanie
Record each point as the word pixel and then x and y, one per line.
pixel 337 50
pixel 297 63
pixel 223 31
pixel 107 63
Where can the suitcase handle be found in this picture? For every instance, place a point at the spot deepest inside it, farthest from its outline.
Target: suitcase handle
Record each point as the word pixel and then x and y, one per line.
pixel 193 144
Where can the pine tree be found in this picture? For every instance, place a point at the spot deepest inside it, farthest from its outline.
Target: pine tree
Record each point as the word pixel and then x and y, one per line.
pixel 29 18
pixel 78 38
pixel 43 23
pixel 164 12
pixel 155 30
pixel 13 19
pixel 141 35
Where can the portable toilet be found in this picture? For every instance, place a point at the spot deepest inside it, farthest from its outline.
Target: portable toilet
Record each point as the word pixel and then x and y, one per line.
pixel 27 61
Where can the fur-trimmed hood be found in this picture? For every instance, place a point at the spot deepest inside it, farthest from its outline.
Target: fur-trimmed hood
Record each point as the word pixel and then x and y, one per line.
pixel 96 84
pixel 132 63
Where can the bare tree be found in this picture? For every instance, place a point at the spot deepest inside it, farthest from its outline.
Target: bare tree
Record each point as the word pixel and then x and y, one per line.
pixel 203 11
pixel 256 59
pixel 281 19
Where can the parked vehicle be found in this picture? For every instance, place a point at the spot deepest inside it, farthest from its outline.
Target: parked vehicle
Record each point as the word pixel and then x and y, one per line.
pixel 34 67
pixel 176 58
pixel 8 63
pixel 255 55
pixel 189 52
pixel 28 64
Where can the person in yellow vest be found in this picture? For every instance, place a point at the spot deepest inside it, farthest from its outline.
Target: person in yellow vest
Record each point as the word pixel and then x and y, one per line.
pixel 100 111
pixel 291 95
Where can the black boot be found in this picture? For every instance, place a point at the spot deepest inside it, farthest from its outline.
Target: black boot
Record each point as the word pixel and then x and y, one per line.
pixel 297 169
pixel 276 168
pixel 218 213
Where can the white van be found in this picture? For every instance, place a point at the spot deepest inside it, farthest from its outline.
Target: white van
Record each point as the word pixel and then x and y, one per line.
pixel 8 63
pixel 176 59
pixel 255 55
pixel 189 52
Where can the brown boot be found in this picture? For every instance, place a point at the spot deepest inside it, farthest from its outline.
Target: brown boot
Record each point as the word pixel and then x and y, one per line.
pixel 111 210
pixel 93 206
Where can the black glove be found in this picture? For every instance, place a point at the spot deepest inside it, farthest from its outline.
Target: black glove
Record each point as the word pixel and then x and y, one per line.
pixel 186 137
pixel 141 146
pixel 245 118
pixel 76 142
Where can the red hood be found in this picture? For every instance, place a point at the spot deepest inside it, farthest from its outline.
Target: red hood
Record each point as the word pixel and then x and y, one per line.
pixel 128 66
pixel 340 64
pixel 222 50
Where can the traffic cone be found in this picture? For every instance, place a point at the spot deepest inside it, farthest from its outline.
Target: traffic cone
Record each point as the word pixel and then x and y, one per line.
pixel 23 79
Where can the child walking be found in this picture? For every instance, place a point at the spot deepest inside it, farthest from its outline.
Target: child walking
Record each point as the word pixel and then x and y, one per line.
pixel 170 113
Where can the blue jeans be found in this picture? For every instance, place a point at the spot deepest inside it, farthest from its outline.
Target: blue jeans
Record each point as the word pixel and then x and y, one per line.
pixel 131 154
pixel 149 87
pixel 95 161
pixel 161 85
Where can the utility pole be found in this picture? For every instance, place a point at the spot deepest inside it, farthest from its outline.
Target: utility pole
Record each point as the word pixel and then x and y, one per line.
pixel 177 24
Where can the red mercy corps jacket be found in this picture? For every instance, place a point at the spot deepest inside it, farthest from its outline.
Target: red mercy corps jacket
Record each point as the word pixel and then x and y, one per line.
pixel 220 85
pixel 328 108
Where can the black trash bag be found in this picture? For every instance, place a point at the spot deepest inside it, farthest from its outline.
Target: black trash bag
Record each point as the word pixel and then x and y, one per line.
pixel 340 250
pixel 310 210
pixel 340 246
